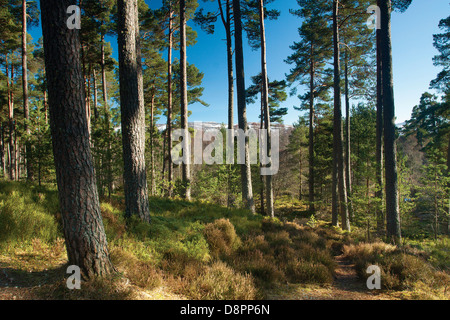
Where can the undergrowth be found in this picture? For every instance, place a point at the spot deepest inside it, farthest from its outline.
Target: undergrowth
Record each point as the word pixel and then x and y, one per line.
pixel 195 250
pixel 402 269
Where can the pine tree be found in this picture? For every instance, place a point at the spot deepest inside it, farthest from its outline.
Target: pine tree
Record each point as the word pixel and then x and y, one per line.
pixel 170 100
pixel 247 189
pixel 165 19
pixel 339 189
pixel 380 129
pixel 297 143
pixel 132 111
pixel 155 77
pixel 206 22
pixel 442 82
pixel 254 12
pixel 186 168
pixel 309 59
pixel 277 95
pixel 80 209
pixel 98 22
pixel 11 45
pixel 26 109
pixel 356 57
pixel 392 196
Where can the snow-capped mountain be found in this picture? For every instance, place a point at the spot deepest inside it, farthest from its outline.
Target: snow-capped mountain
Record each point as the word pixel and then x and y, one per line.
pixel 217 125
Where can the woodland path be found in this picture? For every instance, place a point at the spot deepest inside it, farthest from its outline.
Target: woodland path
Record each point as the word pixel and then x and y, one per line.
pixel 346 286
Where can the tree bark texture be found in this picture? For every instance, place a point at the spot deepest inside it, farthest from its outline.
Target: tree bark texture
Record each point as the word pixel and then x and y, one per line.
pixel 169 105
pixel 392 197
pixel 132 111
pixel 379 137
pixel 79 204
pixel 246 175
pixel 265 99
pixel 26 109
pixel 311 133
pixel 338 150
pixel 186 167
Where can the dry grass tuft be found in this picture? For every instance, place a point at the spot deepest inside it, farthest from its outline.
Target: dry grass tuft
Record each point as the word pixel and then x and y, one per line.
pixel 140 273
pixel 400 270
pixel 221 237
pixel 221 282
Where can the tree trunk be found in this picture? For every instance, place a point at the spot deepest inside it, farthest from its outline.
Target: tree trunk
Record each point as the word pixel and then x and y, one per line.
pixel 133 111
pixel 311 133
pixel 392 198
pixel 448 155
pixel 379 137
pixel 16 156
pixel 152 145
pixel 88 99
pixel 12 126
pixel 108 160
pixel 164 159
pixel 226 20
pixel 265 100
pixel 79 204
pixel 26 111
pixel 169 106
pixel 246 174
pixel 45 106
pixel 448 217
pixel 335 186
pixel 436 207
pixel 348 152
pixel 185 166
pixel 261 193
pixel 230 156
pixel 338 152
pixel 3 150
pixel 230 69
pixel 335 177
pixel 300 191
pixel 97 160
pixel 96 115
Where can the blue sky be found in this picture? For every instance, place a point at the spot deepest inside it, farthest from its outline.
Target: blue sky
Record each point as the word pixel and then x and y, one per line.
pixel 412 58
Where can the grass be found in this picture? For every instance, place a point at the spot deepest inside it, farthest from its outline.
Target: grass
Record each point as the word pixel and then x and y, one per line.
pixel 27 214
pixel 196 250
pixel 435 252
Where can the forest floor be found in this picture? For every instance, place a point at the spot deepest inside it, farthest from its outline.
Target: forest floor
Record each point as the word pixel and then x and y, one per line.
pixel 21 284
pixel 202 251
pixel 24 285
pixel 346 286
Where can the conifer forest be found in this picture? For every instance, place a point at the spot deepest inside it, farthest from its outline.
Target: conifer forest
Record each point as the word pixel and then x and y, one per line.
pixel 225 150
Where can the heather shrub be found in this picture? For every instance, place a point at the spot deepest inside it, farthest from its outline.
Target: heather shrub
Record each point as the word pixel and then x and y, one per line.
pixel 221 237
pixel 220 282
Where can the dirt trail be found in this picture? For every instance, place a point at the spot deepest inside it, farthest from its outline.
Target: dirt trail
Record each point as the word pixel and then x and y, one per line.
pixel 346 286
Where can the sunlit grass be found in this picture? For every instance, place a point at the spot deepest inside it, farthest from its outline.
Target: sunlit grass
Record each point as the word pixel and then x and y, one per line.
pixel 199 250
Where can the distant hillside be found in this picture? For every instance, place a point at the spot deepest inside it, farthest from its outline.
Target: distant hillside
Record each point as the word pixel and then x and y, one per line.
pixel 216 125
